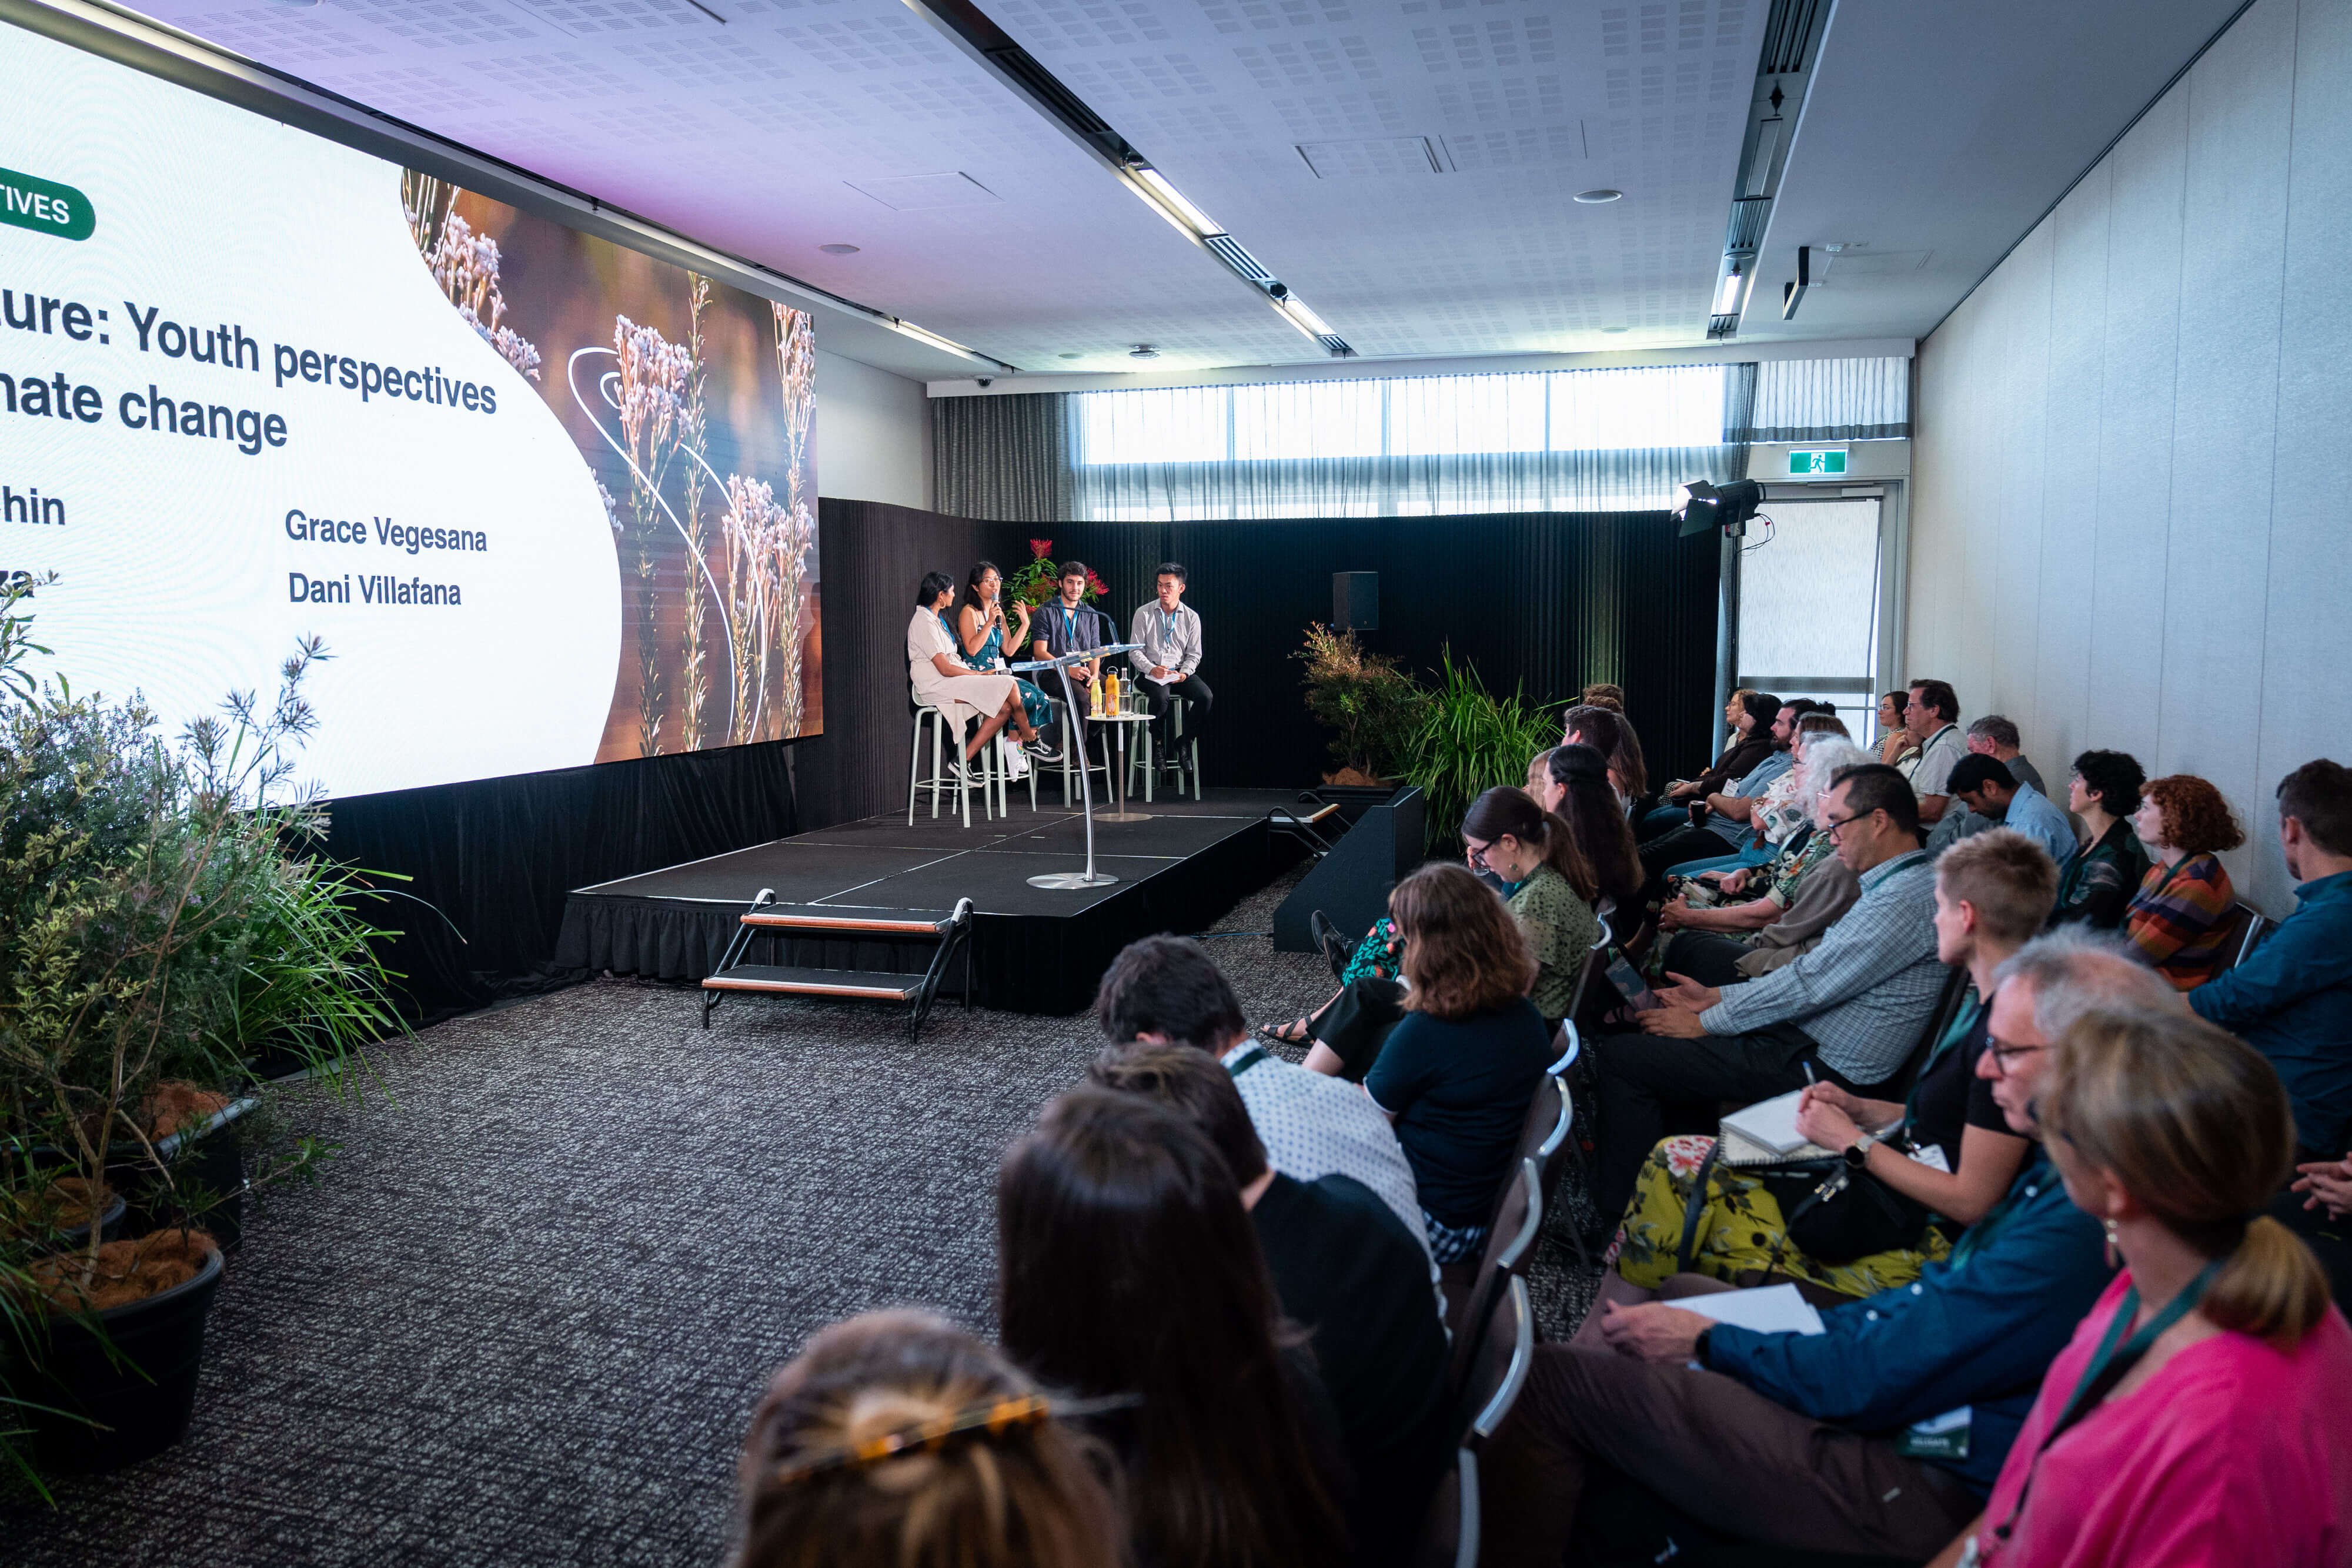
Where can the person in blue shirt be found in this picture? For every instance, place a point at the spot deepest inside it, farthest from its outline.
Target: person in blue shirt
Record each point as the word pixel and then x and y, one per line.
pixel 1882 1435
pixel 2292 1000
pixel 1990 791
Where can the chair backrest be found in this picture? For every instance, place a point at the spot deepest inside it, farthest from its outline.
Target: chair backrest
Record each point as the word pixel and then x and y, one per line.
pixel 2246 927
pixel 1596 960
pixel 1507 1356
pixel 1946 1009
pixel 1511 1236
pixel 1549 1161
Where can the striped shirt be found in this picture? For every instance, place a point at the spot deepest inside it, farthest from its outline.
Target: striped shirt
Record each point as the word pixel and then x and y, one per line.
pixel 2181 918
pixel 1865 993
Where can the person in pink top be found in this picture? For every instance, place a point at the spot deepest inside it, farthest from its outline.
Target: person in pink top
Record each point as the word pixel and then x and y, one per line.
pixel 2193 1418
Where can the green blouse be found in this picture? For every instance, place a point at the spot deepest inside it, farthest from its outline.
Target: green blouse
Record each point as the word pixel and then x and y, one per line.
pixel 1562 929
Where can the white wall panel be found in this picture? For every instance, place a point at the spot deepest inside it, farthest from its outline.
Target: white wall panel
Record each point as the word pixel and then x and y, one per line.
pixel 873 434
pixel 2169 349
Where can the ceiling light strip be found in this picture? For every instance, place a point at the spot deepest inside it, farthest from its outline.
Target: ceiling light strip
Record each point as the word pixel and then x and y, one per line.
pixel 1792 35
pixel 994 49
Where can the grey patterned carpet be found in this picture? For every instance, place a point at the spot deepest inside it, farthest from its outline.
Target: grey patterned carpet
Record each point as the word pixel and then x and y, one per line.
pixel 525 1316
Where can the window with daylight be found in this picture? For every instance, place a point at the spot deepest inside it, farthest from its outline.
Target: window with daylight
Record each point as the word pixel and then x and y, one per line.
pixel 1553 441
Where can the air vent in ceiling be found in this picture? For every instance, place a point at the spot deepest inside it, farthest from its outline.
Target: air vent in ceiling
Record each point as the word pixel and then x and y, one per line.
pixel 1790 33
pixel 1372 156
pixel 1236 254
pixel 1748 217
pixel 910 192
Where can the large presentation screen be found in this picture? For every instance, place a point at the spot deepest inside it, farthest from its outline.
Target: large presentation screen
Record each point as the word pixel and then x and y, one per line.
pixel 546 500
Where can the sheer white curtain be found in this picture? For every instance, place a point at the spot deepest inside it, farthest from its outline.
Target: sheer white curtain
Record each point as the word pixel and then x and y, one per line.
pixel 1566 441
pixel 1832 400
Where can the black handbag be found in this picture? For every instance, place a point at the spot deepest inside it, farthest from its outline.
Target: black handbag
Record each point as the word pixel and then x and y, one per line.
pixel 1829 1211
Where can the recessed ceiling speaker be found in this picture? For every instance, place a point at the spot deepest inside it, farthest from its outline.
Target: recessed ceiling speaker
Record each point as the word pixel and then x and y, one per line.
pixel 1595 198
pixel 1143 352
pixel 838 249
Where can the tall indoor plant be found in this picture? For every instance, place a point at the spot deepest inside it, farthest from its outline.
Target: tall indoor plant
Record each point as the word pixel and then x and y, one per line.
pixel 164 918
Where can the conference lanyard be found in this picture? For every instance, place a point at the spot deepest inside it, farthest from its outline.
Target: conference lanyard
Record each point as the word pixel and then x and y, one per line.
pixel 1965 1020
pixel 2109 1366
pixel 1168 627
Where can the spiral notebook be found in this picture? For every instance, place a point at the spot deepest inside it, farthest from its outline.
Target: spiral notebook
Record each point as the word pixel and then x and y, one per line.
pixel 1765 1134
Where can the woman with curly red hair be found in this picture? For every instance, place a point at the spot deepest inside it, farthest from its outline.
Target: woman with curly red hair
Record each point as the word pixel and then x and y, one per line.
pixel 2181 916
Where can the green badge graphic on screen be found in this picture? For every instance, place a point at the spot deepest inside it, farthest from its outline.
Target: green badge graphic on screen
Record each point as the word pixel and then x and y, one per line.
pixel 44 206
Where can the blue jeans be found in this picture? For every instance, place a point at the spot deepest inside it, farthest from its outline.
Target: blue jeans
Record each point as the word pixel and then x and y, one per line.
pixel 1663 818
pixel 1753 856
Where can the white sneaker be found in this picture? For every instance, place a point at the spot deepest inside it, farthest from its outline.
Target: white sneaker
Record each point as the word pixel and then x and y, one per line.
pixel 1016 764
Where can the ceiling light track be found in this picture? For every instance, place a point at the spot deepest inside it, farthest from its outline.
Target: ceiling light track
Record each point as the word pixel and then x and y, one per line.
pixel 1792 43
pixel 973 31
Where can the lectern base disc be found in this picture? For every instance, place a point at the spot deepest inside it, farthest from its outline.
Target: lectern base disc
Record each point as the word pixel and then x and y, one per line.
pixel 1069 881
pixel 1122 816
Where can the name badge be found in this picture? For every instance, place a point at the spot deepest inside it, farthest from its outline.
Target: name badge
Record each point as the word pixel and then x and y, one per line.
pixel 1943 1436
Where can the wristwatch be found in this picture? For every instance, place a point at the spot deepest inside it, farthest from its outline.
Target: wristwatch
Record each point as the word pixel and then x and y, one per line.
pixel 1857 1154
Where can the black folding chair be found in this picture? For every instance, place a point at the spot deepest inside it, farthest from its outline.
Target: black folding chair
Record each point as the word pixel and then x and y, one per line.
pixel 1498 1375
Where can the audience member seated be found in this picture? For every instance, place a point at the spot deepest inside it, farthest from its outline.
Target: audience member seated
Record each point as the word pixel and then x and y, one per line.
pixel 2180 915
pixel 1127 1266
pixel 1167 989
pixel 1457 1072
pixel 2195 1416
pixel 1750 713
pixel 1985 786
pixel 1719 836
pixel 1879 1436
pixel 1897 747
pixel 1932 716
pixel 1994 736
pixel 1851 1008
pixel 899 1438
pixel 1547 887
pixel 1573 783
pixel 1346 1272
pixel 1607 732
pixel 2098 886
pixel 1946 1155
pixel 2291 999
pixel 1785 906
pixel 1557 929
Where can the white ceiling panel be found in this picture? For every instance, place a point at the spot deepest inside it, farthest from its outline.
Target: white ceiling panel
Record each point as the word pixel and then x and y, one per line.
pixel 1408 166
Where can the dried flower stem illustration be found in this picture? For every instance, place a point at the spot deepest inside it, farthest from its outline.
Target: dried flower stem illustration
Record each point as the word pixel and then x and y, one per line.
pixel 653 374
pixel 796 363
pixel 465 266
pixel 693 431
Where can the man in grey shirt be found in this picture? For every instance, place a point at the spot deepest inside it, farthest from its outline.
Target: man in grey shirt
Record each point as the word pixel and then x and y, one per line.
pixel 1933 720
pixel 1994 736
pixel 1167 665
pixel 1166 988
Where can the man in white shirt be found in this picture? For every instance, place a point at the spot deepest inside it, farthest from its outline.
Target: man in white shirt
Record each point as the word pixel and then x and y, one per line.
pixel 1166 988
pixel 1169 630
pixel 945 682
pixel 1933 719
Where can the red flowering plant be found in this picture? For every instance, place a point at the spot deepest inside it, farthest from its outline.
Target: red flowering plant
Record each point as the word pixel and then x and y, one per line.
pixel 1040 579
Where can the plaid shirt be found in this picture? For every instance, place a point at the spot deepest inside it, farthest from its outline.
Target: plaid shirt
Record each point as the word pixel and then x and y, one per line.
pixel 1865 993
pixel 2181 917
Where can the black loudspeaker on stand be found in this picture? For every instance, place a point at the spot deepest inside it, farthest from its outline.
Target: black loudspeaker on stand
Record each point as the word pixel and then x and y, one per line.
pixel 1351 883
pixel 1355 602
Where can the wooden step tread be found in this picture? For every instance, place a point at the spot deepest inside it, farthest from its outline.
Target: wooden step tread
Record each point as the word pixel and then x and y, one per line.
pixel 779 979
pixel 802 920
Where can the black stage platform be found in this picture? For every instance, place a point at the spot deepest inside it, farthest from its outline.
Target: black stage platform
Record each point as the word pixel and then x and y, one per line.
pixel 1032 950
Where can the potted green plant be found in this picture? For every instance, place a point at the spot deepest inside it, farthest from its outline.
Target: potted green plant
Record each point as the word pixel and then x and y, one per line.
pixel 1371 704
pixel 1467 740
pixel 1038 579
pixel 162 918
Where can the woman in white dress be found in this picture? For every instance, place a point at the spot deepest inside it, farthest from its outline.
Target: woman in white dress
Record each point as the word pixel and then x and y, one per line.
pixel 942 680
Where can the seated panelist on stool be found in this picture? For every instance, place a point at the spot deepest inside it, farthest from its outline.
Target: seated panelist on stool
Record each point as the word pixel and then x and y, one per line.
pixel 983 633
pixel 1066 624
pixel 941 680
pixel 1169 659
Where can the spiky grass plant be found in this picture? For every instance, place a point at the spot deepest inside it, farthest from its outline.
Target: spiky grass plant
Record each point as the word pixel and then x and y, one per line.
pixel 1468 740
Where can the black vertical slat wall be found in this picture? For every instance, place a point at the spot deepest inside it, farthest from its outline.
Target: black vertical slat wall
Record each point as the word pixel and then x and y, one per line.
pixel 1540 602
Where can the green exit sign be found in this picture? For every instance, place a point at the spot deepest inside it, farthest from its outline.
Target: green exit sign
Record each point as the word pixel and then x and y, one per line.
pixel 1816 461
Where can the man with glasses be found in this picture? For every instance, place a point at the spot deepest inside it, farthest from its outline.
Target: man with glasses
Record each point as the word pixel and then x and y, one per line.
pixel 1879 1436
pixel 1852 1010
pixel 1933 719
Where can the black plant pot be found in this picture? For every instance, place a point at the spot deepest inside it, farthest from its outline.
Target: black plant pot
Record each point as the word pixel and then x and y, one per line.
pixel 204 1158
pixel 161 1338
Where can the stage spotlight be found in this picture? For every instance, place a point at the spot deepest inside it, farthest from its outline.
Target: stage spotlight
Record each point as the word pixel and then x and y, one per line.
pixel 1726 507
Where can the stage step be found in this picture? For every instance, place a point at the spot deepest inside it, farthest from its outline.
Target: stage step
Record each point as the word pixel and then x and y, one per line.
pixel 777 979
pixel 767 919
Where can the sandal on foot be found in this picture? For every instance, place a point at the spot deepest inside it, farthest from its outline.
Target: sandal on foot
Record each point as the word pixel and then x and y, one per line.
pixel 1275 1031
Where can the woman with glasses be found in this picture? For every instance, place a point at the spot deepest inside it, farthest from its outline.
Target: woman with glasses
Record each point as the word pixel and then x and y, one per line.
pixel 981 636
pixel 2196 1418
pixel 1945 1153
